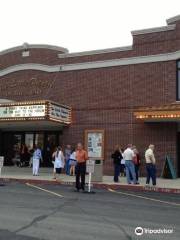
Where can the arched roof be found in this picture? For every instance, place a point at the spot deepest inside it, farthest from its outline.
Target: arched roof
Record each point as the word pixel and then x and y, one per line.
pixel 27 46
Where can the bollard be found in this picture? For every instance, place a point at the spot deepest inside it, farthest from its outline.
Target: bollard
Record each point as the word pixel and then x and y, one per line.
pixel 1 166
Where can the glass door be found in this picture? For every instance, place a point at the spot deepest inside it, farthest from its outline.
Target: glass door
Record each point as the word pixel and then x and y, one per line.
pixel 12 143
pixel 17 142
pixel 29 141
pixel 39 140
pixel 51 142
pixel 7 148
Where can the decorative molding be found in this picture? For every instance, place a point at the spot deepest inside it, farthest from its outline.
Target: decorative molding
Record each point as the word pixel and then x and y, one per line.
pixel 173 19
pixel 122 61
pixel 92 65
pixel 154 30
pixel 26 46
pixel 29 66
pixel 94 52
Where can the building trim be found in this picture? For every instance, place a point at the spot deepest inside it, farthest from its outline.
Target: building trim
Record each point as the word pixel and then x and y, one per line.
pixel 173 19
pixel 29 66
pixel 27 46
pixel 154 30
pixel 92 65
pixel 122 61
pixel 93 52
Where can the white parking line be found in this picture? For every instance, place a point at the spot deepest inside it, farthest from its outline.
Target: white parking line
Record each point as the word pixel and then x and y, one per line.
pixel 146 198
pixel 45 190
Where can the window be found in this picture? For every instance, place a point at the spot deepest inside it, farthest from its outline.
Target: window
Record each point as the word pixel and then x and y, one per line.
pixel 178 80
pixel 25 54
pixel 39 140
pixel 29 140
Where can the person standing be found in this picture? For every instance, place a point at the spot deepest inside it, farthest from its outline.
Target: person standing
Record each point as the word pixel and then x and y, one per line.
pixel 59 161
pixel 81 157
pixel 117 157
pixel 72 162
pixel 122 170
pixel 130 169
pixel 67 159
pixel 150 165
pixel 136 161
pixel 37 157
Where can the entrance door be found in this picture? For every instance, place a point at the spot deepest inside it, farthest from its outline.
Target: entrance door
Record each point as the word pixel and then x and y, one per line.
pixel 29 140
pixel 17 142
pixel 51 142
pixel 12 142
pixel 12 147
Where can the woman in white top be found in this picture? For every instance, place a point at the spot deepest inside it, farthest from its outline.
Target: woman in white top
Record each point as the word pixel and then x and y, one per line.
pixel 59 161
pixel 73 162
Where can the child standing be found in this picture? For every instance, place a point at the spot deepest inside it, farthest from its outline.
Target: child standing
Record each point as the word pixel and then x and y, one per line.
pixel 73 162
pixel 59 161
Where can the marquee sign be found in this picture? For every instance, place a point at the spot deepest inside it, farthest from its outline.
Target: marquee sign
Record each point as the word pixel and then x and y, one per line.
pixel 35 110
pixel 22 111
pixel 60 113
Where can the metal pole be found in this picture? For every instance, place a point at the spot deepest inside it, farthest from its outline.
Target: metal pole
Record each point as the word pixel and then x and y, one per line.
pixel 89 184
pixel 1 183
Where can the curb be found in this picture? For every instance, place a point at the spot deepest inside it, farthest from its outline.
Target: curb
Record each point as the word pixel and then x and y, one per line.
pixel 95 185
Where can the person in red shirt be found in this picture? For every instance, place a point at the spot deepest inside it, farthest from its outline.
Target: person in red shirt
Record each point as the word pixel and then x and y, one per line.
pixel 137 162
pixel 81 157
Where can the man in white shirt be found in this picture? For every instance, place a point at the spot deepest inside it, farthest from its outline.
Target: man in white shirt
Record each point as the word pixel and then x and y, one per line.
pixel 128 156
pixel 150 165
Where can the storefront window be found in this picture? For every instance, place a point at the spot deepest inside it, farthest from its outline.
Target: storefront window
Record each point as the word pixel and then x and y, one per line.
pixel 17 141
pixel 29 138
pixel 39 139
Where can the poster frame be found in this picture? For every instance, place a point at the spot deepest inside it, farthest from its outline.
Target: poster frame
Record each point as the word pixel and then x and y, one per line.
pixel 95 131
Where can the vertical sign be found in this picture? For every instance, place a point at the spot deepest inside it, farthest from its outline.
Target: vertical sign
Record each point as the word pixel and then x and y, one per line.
pixel 94 144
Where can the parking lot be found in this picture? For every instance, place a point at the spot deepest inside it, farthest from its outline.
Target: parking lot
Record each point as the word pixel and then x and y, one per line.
pixel 33 212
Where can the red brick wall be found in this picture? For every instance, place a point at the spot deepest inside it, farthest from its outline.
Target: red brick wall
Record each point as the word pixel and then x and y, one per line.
pixel 105 99
pixel 37 55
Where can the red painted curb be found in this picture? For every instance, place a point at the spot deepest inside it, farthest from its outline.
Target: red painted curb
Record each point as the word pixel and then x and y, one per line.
pixel 96 185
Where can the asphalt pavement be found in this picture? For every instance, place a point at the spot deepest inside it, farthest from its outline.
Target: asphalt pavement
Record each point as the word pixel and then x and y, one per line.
pixel 52 212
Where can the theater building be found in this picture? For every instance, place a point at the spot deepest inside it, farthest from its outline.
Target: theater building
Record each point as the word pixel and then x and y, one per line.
pixel 50 96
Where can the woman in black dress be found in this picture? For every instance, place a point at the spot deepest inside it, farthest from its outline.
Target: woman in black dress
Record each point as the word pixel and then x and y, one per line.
pixel 117 157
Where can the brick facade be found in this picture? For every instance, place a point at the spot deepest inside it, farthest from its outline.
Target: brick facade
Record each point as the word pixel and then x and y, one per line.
pixel 105 98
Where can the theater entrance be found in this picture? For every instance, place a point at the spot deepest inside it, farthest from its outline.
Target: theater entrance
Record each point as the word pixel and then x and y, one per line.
pixel 26 124
pixel 14 143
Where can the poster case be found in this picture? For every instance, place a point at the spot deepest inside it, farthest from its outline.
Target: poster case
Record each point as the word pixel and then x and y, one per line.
pixel 94 144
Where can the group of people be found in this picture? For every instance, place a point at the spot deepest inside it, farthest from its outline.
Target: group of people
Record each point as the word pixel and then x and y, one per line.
pixel 75 158
pixel 127 162
pixel 67 161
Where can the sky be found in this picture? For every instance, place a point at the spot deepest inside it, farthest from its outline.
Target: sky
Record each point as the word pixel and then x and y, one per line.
pixel 80 25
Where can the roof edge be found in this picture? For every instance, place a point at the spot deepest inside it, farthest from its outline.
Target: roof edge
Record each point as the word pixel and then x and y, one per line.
pixel 27 46
pixel 153 30
pixel 173 19
pixel 94 52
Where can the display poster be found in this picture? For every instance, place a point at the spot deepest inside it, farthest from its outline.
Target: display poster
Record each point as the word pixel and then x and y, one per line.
pixel 94 141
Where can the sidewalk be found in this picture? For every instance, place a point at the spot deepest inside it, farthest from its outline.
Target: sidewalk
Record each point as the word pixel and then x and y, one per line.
pixel 25 175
